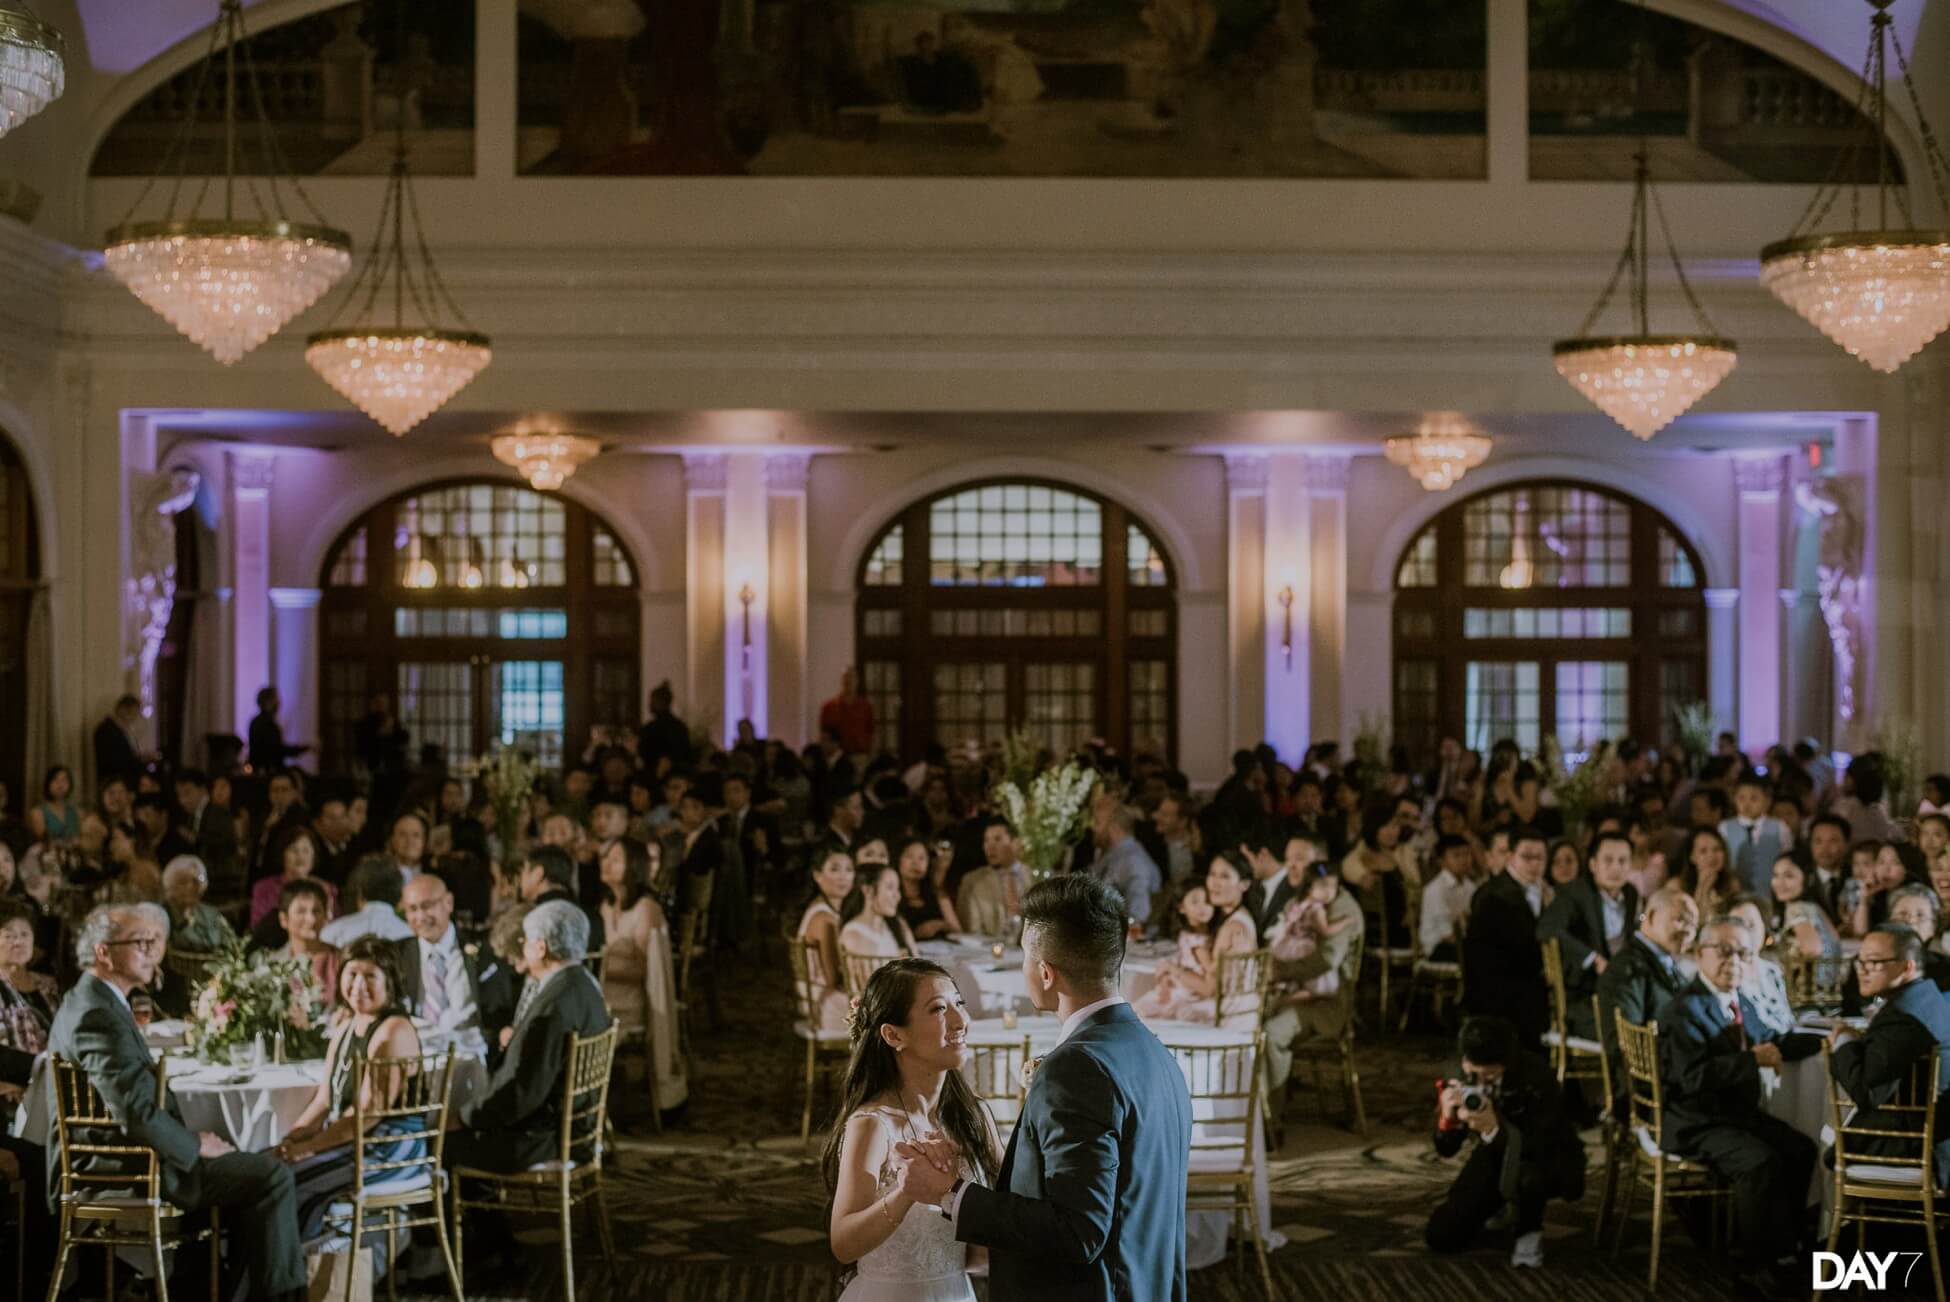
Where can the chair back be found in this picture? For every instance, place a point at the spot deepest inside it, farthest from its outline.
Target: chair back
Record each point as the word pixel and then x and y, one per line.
pixel 1604 1060
pixel 97 1155
pixel 403 1092
pixel 694 930
pixel 1908 1117
pixel 806 962
pixel 585 1098
pixel 1224 1082
pixel 594 963
pixel 1638 1046
pixel 860 969
pixel 1242 983
pixel 191 965
pixel 1815 982
pixel 994 1072
pixel 1554 980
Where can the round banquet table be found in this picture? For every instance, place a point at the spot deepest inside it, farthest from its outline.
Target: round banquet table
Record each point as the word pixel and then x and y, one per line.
pixel 992 985
pixel 1205 1231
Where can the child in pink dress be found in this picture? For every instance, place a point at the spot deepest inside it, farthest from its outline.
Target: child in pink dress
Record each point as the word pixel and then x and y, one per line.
pixel 1167 1000
pixel 1302 927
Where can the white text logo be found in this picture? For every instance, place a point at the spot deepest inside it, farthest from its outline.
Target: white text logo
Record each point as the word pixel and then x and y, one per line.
pixel 1870 1269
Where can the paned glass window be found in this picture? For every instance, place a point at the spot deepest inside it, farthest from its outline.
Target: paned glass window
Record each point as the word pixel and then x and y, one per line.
pixel 1151 701
pixel 478 536
pixel 1015 535
pixel 1418 566
pixel 436 706
pixel 1547 537
pixel 1592 702
pixel 530 703
pixel 1147 563
pixel 1500 699
pixel 609 566
pixel 1675 563
pixel 884 566
pixel 349 566
pixel 971 702
pixel 880 682
pixel 1547 621
pixel 1060 704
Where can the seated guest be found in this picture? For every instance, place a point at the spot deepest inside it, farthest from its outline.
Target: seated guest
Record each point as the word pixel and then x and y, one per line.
pixel 517 1121
pixel 444 975
pixel 819 923
pixel 989 896
pixel 506 942
pixel 301 915
pixel 701 854
pixel 1644 974
pixel 1445 900
pixel 194 925
pixel 1801 924
pixel 375 888
pixel 1504 961
pixel 926 911
pixel 1591 918
pixel 550 873
pixel 406 845
pixel 26 1162
pixel 294 849
pixel 1306 924
pixel 119 947
pixel 320 1145
pixel 1382 870
pixel 1753 837
pixel 1913 1024
pixel 1897 863
pixel 27 998
pixel 1190 993
pixel 639 984
pixel 1520 1122
pixel 1763 983
pixel 1707 876
pixel 1712 1050
pixel 1294 1020
pixel 870 921
pixel 1914 906
pixel 1123 864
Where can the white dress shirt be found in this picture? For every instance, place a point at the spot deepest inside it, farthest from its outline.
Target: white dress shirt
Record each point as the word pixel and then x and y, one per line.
pixel 1444 902
pixel 375 919
pixel 462 1011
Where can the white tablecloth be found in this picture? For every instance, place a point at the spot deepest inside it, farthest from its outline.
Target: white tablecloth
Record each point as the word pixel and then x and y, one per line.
pixel 992 985
pixel 1205 1231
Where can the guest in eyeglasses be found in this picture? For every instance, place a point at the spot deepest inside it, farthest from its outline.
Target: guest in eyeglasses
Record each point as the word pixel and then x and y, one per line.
pixel 1914 906
pixel 1914 1022
pixel 1712 1047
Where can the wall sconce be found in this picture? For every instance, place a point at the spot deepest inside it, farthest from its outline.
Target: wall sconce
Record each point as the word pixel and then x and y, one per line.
pixel 745 598
pixel 1285 598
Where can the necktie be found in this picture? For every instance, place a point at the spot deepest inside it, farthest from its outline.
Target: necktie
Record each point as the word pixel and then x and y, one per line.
pixel 435 982
pixel 528 990
pixel 1739 1022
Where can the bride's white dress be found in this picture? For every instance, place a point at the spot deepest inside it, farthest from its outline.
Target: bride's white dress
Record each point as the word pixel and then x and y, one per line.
pixel 921 1261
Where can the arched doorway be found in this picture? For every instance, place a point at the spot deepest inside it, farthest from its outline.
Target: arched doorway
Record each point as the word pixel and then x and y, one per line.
pixel 1546 607
pixel 1018 604
pixel 491 613
pixel 20 576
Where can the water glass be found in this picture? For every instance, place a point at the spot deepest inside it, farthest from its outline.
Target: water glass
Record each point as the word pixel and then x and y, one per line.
pixel 1009 1018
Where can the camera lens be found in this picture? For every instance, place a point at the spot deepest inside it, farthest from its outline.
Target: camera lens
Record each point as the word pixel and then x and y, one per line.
pixel 1473 1101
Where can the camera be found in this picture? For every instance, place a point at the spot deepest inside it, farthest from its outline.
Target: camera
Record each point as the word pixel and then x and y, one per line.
pixel 1477 1095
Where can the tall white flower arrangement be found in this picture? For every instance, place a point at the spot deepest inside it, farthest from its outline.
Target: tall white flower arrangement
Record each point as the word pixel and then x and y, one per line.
pixel 1048 814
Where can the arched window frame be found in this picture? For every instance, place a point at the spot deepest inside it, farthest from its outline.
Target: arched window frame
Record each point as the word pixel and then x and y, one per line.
pixel 1666 650
pixel 1134 647
pixel 361 647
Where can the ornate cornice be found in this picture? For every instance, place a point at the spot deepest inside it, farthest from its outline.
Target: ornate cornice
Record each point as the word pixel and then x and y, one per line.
pixel 704 472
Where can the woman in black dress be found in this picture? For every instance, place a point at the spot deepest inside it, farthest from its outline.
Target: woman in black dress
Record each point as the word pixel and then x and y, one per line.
pixel 928 913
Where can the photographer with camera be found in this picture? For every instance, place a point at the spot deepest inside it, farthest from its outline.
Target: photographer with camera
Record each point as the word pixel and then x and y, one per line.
pixel 1527 1150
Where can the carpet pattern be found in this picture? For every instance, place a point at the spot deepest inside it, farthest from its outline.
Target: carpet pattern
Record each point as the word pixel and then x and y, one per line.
pixel 731 1206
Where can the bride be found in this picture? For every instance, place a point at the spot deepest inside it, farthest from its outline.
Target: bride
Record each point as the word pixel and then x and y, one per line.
pixel 910 1032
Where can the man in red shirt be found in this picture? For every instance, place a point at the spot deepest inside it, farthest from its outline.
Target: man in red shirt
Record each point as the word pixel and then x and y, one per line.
pixel 850 716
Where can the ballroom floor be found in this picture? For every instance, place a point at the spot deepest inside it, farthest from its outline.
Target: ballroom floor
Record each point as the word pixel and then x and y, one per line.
pixel 731 1207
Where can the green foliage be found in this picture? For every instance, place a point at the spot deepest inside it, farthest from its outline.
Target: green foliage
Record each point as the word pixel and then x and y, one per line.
pixel 245 996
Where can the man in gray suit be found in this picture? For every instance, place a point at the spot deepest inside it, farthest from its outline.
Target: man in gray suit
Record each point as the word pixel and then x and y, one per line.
pixel 118 948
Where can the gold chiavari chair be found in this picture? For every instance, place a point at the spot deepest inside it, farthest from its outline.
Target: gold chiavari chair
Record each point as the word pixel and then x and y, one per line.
pixel 1441 978
pixel 995 1073
pixel 1337 1054
pixel 109 1188
pixel 1815 982
pixel 397 1181
pixel 1225 1084
pixel 1887 1188
pixel 1387 958
pixel 189 964
pixel 860 968
pixel 1617 1135
pixel 1573 1057
pixel 1665 1176
pixel 693 935
pixel 571 1179
pixel 832 1045
pixel 17 1191
pixel 1241 985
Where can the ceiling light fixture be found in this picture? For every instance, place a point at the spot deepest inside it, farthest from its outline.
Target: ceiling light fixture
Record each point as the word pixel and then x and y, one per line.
pixel 1440 453
pixel 545 460
pixel 33 67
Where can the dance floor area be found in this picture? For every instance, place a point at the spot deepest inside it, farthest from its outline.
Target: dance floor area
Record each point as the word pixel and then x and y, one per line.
pixel 731 1207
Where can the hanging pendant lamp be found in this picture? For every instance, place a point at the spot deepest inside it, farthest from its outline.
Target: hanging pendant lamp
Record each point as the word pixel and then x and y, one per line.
pixel 33 67
pixel 229 282
pixel 1881 294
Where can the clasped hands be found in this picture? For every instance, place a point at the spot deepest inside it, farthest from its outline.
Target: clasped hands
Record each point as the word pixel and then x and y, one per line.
pixel 928 1166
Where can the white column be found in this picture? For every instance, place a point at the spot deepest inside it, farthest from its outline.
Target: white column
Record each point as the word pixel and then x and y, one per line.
pixel 704 595
pixel 789 713
pixel 250 541
pixel 1760 481
pixel 1723 655
pixel 1246 607
pixel 1330 708
pixel 294 646
pixel 745 582
pixel 1287 598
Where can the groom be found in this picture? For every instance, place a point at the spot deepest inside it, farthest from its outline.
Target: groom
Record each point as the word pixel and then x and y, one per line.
pixel 1091 1203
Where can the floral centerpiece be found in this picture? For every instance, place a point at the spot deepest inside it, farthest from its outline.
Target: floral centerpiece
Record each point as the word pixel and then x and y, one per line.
pixel 1577 791
pixel 1046 811
pixel 246 997
pixel 510 776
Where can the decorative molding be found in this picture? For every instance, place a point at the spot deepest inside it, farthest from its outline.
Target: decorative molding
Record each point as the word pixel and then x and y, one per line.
pixel 296 598
pixel 1246 473
pixel 704 472
pixel 1327 473
pixel 1760 475
pixel 787 472
pixel 1721 598
pixel 251 476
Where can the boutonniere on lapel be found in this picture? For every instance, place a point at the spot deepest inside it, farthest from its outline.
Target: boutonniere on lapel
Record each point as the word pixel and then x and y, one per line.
pixel 1029 1067
pixel 472 949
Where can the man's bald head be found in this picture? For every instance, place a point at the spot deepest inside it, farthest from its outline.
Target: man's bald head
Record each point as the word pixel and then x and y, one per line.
pixel 428 906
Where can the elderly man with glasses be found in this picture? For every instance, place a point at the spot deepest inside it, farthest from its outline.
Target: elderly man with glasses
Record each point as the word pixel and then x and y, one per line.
pixel 1913 1023
pixel 1713 1046
pixel 118 948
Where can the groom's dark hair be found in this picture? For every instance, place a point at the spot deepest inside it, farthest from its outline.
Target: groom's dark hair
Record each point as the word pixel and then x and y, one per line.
pixel 1081 927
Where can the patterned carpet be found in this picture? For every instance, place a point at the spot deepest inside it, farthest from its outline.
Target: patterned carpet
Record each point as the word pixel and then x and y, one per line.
pixel 730 1206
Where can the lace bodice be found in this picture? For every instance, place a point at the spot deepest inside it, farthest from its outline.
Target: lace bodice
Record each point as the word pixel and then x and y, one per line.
pixel 924 1247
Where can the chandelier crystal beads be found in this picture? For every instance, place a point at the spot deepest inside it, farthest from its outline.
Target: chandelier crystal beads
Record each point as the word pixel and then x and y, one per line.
pixel 546 460
pixel 33 67
pixel 1644 381
pixel 1437 456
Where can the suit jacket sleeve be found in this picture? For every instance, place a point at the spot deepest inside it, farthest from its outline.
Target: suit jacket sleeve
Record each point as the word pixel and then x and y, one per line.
pixel 1870 1068
pixel 127 1083
pixel 1695 1068
pixel 529 1076
pixel 1559 923
pixel 1078 1139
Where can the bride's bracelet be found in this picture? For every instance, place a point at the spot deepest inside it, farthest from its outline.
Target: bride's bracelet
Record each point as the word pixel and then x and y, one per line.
pixel 882 1205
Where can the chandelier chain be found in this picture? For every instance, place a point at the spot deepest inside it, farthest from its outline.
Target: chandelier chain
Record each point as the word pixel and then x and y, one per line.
pixel 1823 199
pixel 1933 156
pixel 1679 268
pixel 178 151
pixel 279 165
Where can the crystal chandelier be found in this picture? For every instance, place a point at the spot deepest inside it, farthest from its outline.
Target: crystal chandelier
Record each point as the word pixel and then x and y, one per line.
pixel 399 374
pixel 545 460
pixel 1438 454
pixel 1884 293
pixel 232 282
pixel 33 72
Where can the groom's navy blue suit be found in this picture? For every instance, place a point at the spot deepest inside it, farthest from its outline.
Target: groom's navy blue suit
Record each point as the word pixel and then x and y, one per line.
pixel 1091 1197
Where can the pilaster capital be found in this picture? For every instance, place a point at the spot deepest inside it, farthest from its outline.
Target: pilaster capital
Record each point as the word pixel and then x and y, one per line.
pixel 1721 598
pixel 1327 473
pixel 1246 472
pixel 251 476
pixel 704 472
pixel 1760 475
pixel 786 472
pixel 296 598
